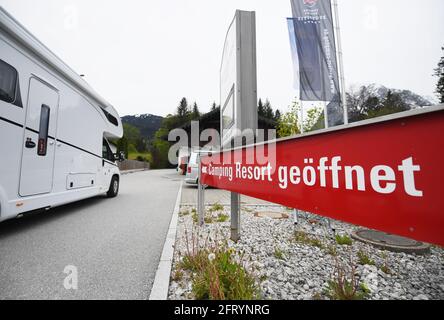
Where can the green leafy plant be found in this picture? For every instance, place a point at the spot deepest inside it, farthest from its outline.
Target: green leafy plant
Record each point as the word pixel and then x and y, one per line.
pixel 345 285
pixel 216 207
pixel 184 213
pixel 279 254
pixel 217 273
pixel 364 259
pixel 332 250
pixel 222 218
pixel 289 123
pixel 194 216
pixel 208 219
pixel 177 275
pixel 343 240
pixel 385 266
pixel 317 296
pixel 304 238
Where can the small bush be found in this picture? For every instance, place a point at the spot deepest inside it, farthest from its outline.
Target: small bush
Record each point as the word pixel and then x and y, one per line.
pixel 217 273
pixel 177 275
pixel 364 259
pixel 343 240
pixel 317 296
pixel 263 278
pixel 194 261
pixel 194 216
pixel 222 218
pixel 208 219
pixel 331 250
pixel 222 278
pixel 304 238
pixel 184 213
pixel 216 207
pixel 385 267
pixel 345 285
pixel 279 254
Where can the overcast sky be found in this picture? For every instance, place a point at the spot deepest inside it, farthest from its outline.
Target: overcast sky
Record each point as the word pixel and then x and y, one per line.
pixel 143 56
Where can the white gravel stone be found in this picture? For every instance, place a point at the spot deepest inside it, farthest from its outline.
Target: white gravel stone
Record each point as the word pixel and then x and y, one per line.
pixel 306 270
pixel 421 297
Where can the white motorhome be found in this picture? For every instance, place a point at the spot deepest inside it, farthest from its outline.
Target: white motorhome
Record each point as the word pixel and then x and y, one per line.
pixel 54 129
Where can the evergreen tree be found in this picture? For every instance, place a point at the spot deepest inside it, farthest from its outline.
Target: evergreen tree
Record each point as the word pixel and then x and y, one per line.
pixel 268 110
pixel 195 114
pixel 277 115
pixel 439 72
pixel 213 106
pixel 260 109
pixel 182 110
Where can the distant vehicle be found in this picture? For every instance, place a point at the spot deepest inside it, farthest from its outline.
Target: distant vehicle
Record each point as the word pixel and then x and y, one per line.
pixel 192 176
pixel 183 159
pixel 54 129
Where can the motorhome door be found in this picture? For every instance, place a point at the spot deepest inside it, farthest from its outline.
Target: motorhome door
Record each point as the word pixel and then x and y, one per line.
pixel 38 143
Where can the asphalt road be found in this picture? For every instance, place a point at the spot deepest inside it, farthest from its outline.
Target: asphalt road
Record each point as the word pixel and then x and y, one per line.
pixel 115 244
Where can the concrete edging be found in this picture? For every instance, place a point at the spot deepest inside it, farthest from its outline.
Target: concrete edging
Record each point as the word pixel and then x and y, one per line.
pixel 131 171
pixel 161 283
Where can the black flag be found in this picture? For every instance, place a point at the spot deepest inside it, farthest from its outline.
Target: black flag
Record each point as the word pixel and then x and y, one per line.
pixel 312 25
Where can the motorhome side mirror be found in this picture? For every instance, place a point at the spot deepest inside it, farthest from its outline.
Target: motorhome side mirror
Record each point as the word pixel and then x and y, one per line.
pixel 120 156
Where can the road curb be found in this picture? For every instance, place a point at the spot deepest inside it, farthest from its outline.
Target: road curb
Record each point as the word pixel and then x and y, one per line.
pixel 132 171
pixel 161 283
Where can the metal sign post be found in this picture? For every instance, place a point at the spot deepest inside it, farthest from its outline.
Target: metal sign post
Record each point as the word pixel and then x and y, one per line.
pixel 200 194
pixel 238 91
pixel 340 61
pixel 235 216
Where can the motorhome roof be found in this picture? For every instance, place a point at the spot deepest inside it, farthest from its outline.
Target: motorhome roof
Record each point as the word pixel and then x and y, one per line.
pixel 15 29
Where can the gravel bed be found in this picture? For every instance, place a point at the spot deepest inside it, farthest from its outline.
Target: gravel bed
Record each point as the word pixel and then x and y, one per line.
pixel 288 269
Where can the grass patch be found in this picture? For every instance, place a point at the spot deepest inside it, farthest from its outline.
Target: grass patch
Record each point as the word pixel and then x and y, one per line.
pixel 332 250
pixel 177 275
pixel 364 259
pixel 216 207
pixel 343 240
pixel 317 296
pixel 263 278
pixel 209 219
pixel 217 274
pixel 345 285
pixel 184 213
pixel 279 254
pixel 222 218
pixel 304 238
pixel 195 216
pixel 385 267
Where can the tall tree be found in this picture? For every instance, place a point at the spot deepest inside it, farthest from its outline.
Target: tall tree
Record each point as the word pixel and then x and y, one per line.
pixel 182 109
pixel 289 123
pixel 439 72
pixel 277 115
pixel 260 108
pixel 214 106
pixel 268 110
pixel 195 114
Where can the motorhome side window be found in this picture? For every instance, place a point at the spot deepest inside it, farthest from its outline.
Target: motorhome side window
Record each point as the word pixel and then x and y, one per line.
pixel 107 154
pixel 9 88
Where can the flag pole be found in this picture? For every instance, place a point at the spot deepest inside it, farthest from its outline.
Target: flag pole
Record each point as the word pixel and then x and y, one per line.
pixel 340 61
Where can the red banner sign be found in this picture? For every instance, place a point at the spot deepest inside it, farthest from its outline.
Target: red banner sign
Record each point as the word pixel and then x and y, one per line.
pixel 386 176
